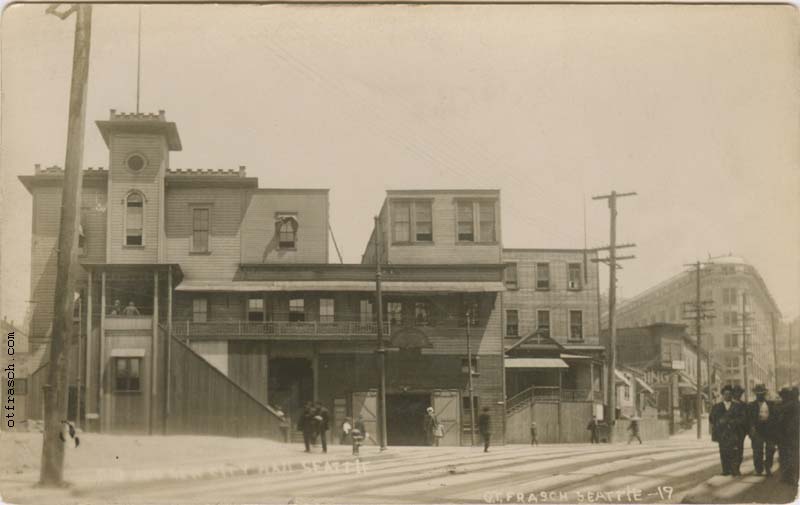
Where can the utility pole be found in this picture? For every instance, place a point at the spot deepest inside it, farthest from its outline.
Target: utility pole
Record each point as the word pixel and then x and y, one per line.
pixel 469 382
pixel 744 347
pixel 698 311
pixel 55 390
pixel 612 302
pixel 381 351
pixel 791 379
pixel 774 349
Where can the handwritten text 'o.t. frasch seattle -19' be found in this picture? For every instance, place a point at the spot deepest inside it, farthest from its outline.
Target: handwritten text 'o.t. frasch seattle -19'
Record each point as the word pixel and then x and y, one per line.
pixel 625 495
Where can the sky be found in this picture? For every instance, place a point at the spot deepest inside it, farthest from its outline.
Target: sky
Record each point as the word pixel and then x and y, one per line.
pixel 693 107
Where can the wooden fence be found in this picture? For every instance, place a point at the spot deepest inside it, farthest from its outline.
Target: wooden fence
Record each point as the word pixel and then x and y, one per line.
pixel 204 401
pixel 649 429
pixel 556 422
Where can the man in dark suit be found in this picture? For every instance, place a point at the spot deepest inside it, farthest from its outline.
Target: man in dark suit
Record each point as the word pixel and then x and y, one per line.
pixel 788 414
pixel 738 392
pixel 322 418
pixel 306 425
pixel 726 419
pixel 485 428
pixel 760 424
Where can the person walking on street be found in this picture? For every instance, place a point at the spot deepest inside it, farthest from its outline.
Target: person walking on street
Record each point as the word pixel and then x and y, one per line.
pixel 592 427
pixel 633 427
pixel 788 417
pixel 358 434
pixel 738 391
pixel 346 427
pixel 725 420
pixel 760 421
pixel 322 417
pixel 431 427
pixel 534 434
pixel 485 428
pixel 306 425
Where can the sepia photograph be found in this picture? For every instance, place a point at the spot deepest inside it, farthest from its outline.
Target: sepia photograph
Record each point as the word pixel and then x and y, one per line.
pixel 399 253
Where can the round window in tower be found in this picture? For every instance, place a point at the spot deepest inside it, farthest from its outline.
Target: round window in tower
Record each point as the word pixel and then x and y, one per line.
pixel 136 162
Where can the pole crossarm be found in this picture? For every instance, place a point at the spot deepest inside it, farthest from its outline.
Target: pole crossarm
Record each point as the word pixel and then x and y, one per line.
pixel 613 195
pixel 608 247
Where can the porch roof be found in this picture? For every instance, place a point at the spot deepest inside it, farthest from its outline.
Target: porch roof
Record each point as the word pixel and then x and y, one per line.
pixel 535 363
pixel 140 267
pixel 341 285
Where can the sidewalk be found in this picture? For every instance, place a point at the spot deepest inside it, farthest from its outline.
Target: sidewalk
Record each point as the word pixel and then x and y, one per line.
pixel 103 460
pixel 749 488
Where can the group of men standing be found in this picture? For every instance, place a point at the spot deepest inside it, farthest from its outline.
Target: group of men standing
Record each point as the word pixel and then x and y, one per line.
pixel 768 424
pixel 314 423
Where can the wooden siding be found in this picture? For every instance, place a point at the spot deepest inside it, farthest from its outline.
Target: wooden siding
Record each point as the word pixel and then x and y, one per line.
pixel 205 402
pixel 44 240
pixel 259 242
pixel 150 182
pixel 445 248
pixel 559 300
pixel 225 208
pixel 248 366
pixel 126 412
pixel 556 422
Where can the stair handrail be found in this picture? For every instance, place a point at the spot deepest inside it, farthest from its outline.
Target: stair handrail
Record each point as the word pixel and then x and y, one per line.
pixel 519 398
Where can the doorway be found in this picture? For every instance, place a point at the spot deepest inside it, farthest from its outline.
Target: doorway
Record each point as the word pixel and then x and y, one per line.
pixel 290 384
pixel 405 417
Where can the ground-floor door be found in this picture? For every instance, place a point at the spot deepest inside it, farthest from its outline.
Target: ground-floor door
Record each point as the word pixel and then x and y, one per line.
pixel 447 405
pixel 365 406
pixel 290 384
pixel 545 415
pixel 405 418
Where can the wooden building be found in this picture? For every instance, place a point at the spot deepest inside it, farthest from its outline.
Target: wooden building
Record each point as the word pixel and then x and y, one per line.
pixel 208 304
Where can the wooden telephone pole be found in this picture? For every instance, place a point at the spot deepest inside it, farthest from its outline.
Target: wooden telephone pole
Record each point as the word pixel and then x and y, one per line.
pixel 55 390
pixel 699 310
pixel 611 261
pixel 381 350
pixel 745 384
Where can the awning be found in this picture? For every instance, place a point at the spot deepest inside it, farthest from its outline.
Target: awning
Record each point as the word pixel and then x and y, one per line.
pixel 621 377
pixel 535 363
pixel 575 356
pixel 127 353
pixel 324 285
pixel 644 385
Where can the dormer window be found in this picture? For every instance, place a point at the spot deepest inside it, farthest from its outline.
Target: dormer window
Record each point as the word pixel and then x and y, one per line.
pixel 134 219
pixel 286 229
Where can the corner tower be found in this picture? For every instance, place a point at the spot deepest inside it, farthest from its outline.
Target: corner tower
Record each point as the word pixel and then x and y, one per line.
pixel 139 147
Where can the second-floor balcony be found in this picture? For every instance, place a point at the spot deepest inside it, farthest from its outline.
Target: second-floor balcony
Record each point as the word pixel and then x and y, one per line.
pixel 280 330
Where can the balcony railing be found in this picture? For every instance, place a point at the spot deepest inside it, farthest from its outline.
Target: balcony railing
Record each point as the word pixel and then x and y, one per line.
pixel 289 329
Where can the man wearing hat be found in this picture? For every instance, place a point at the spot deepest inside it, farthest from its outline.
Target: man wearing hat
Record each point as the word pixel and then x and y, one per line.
pixel 726 419
pixel 738 392
pixel 788 417
pixel 760 425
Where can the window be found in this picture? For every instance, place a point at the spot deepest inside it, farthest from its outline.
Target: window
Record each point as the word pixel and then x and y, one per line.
pixel 465 404
pixel 574 276
pixel 729 296
pixel 466 222
pixel 731 340
pixel 730 318
pixel 542 276
pixel 422 312
pixel 200 226
pixel 486 224
pixel 732 365
pixel 423 222
pixel 412 221
pixel 470 311
pixel 474 365
pixel 512 323
pixel 326 306
pixel 627 391
pixel 127 375
pixel 395 310
pixel 255 309
pixel 510 275
pixel 401 221
pixel 286 227
pixel 575 325
pixel 20 386
pixel 134 219
pixel 543 323
pixel 365 312
pixel 200 310
pixel 297 310
pixel 470 229
pixel 81 241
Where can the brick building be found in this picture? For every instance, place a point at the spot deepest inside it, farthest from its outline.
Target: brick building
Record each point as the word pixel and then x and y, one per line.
pixel 723 282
